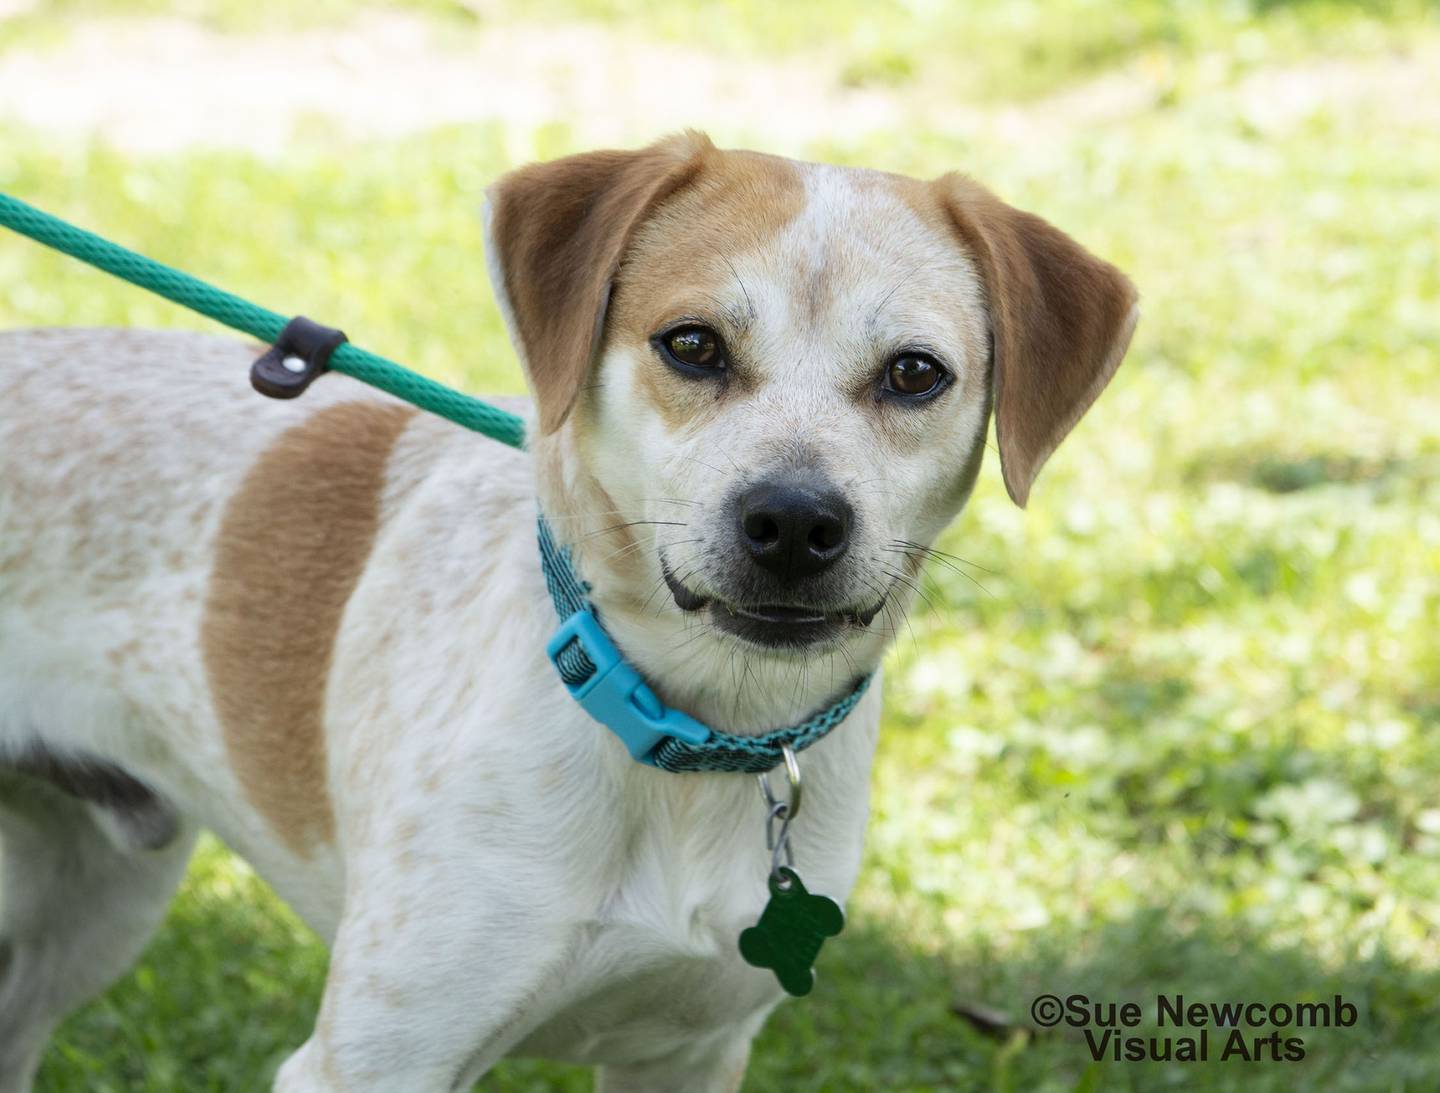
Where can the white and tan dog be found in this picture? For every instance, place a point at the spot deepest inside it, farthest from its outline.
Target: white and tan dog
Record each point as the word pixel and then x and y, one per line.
pixel 318 627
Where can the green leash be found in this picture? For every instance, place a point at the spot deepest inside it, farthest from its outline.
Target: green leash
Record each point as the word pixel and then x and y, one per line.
pixel 260 323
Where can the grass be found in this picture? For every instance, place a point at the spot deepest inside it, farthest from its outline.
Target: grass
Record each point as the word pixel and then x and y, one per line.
pixel 1179 741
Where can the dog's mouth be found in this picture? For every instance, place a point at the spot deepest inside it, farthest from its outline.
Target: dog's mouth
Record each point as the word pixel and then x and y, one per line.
pixel 774 625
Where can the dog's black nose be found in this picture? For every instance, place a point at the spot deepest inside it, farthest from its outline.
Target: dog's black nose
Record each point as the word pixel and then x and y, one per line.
pixel 794 530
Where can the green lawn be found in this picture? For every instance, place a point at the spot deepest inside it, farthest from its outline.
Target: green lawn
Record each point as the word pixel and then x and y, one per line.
pixel 1172 737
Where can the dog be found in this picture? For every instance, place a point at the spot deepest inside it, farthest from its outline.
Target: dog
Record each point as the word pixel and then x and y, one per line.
pixel 761 388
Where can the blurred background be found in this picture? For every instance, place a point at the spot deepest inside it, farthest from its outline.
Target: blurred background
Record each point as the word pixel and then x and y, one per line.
pixel 1168 730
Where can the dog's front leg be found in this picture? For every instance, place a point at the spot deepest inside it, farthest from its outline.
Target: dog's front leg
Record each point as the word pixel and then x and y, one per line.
pixel 423 999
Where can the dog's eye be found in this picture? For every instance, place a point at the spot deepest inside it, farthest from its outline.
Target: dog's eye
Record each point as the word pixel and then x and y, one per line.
pixel 694 347
pixel 913 375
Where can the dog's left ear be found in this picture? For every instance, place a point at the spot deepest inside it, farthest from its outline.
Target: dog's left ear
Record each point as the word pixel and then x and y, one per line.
pixel 555 235
pixel 1060 318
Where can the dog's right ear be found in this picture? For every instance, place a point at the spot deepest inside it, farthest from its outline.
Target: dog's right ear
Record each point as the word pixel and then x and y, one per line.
pixel 555 235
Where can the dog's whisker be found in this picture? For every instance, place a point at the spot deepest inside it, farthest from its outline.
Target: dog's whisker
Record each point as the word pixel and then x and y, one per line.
pixel 914 587
pixel 749 303
pixel 702 463
pixel 938 553
pixel 702 632
pixel 627 548
pixel 882 593
pixel 911 583
pixel 800 677
pixel 634 524
pixel 898 614
pixel 740 692
pixel 736 466
pixel 659 584
pixel 689 573
pixel 915 555
pixel 904 612
pixel 874 315
pixel 591 514
pixel 620 552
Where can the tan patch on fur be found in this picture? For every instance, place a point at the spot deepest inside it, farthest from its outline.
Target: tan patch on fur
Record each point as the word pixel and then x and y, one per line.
pixel 739 203
pixel 292 544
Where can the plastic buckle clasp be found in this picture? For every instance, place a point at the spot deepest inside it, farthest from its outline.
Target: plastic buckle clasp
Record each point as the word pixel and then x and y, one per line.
pixel 617 696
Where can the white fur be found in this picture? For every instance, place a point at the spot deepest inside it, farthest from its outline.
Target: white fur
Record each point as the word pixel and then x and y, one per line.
pixel 504 879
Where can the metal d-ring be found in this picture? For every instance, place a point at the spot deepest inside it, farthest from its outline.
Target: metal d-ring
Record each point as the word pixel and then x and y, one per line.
pixel 778 841
pixel 792 775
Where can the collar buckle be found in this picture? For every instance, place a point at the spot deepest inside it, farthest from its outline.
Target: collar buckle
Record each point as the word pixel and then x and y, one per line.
pixel 615 694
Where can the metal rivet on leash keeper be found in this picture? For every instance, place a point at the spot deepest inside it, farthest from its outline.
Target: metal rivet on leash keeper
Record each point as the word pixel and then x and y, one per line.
pixel 796 922
pixel 298 356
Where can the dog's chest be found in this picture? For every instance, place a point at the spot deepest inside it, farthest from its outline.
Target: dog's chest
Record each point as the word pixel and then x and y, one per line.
pixel 658 963
pixel 657 976
pixel 637 999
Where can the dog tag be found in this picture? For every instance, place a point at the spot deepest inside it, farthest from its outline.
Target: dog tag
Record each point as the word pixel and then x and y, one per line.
pixel 793 926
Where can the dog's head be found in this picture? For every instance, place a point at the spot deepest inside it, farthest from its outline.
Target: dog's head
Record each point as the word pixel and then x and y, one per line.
pixel 763 386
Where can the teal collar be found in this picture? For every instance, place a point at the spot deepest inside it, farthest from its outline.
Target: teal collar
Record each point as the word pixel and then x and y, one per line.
pixel 598 676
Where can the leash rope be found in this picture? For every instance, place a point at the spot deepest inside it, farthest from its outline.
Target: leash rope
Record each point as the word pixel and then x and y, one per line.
pixel 260 323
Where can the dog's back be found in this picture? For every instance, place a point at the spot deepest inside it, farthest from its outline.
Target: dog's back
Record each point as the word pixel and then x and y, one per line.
pixel 110 442
pixel 116 451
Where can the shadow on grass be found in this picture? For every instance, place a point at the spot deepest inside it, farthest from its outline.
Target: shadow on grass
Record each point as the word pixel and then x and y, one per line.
pixel 230 987
pixel 888 1017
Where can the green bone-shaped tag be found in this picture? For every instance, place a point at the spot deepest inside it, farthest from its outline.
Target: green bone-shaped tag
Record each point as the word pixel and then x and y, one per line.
pixel 790 932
